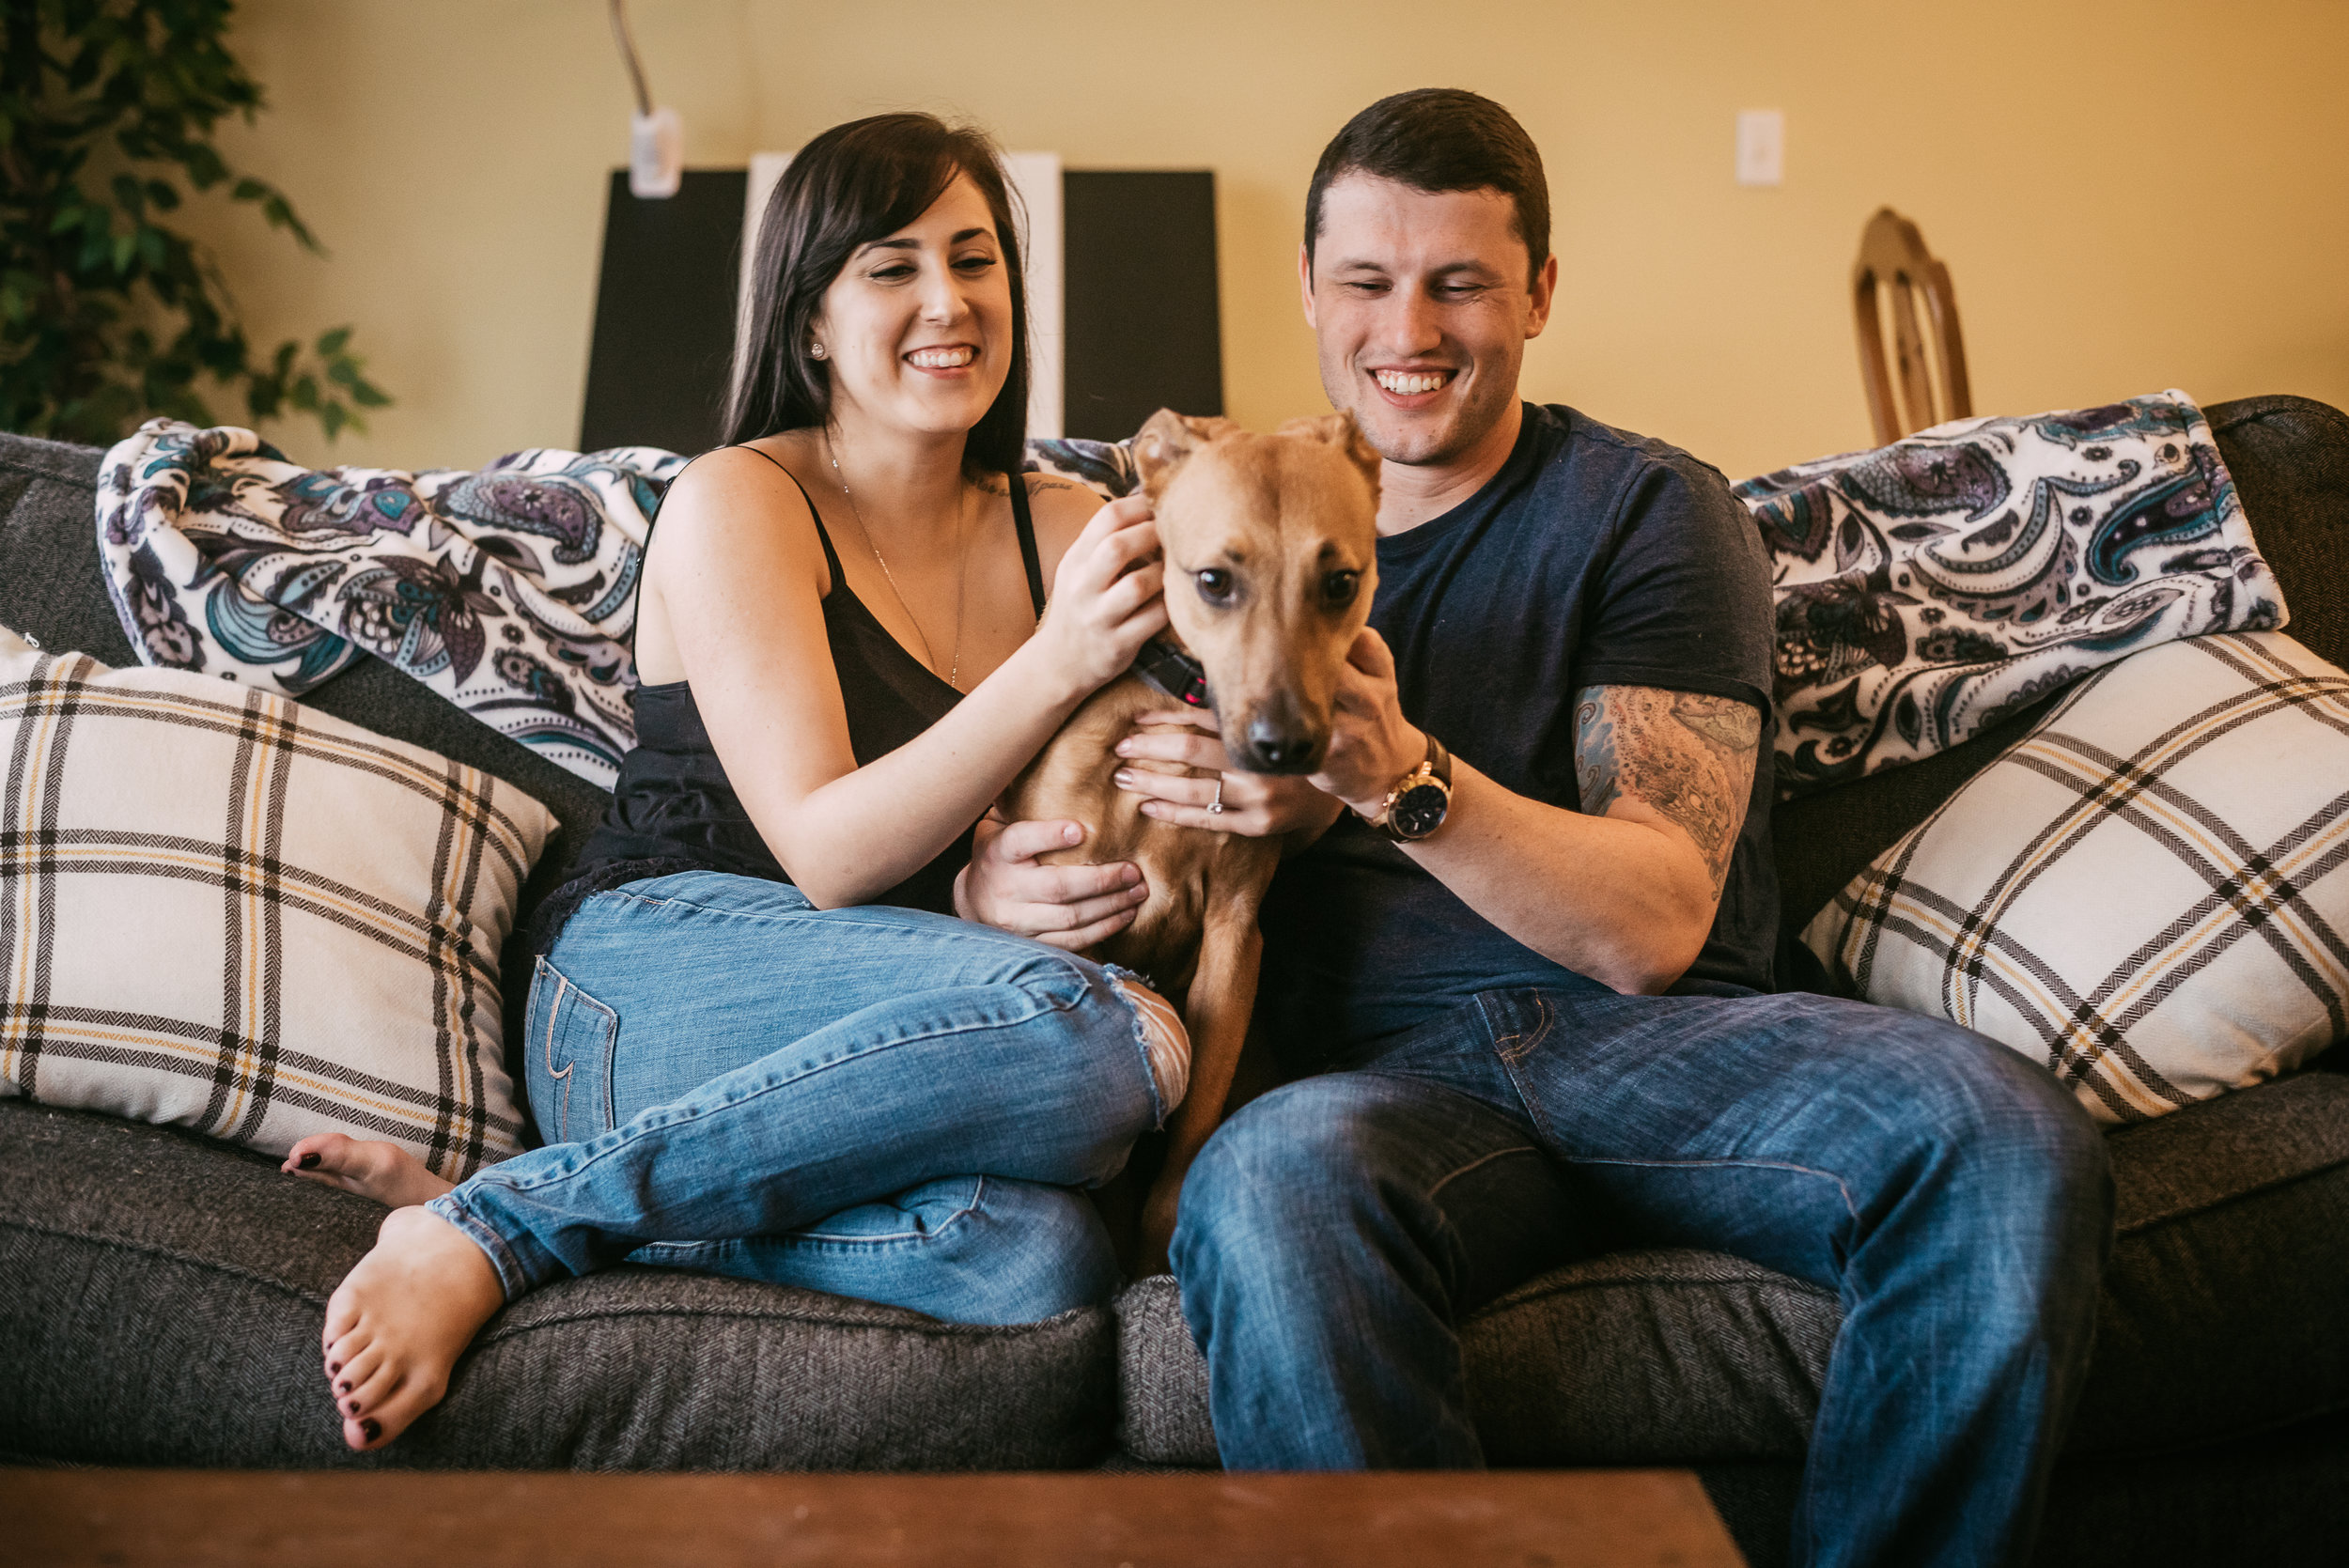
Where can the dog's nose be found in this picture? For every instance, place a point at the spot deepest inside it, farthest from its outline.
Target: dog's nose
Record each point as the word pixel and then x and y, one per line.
pixel 1279 749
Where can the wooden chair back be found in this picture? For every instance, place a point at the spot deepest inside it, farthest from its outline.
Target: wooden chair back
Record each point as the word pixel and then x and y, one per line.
pixel 1907 389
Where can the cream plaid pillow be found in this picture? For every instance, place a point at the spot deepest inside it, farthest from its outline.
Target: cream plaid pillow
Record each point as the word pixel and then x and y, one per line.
pixel 222 911
pixel 2146 893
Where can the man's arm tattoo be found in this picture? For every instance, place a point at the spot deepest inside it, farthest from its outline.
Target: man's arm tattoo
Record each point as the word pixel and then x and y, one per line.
pixel 1687 756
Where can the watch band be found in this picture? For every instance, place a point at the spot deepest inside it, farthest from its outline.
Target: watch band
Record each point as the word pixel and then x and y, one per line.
pixel 1439 763
pixel 1434 772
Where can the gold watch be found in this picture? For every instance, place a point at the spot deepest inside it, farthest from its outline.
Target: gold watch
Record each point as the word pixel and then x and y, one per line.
pixel 1419 801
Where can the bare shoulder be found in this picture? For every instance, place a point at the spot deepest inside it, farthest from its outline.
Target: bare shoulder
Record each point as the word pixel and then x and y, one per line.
pixel 736 507
pixel 1062 507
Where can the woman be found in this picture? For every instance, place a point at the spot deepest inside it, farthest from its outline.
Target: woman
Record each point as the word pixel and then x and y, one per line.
pixel 760 1042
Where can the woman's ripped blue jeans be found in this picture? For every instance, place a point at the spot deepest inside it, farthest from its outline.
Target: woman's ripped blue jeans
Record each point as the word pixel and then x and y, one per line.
pixel 872 1102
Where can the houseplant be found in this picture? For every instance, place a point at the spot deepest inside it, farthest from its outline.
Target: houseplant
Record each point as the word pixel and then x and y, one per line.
pixel 108 314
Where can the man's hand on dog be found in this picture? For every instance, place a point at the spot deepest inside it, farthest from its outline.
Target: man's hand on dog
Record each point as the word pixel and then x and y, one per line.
pixel 1255 805
pixel 1372 746
pixel 1066 905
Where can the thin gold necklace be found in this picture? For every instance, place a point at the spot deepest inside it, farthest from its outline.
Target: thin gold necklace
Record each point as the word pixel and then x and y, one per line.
pixel 962 569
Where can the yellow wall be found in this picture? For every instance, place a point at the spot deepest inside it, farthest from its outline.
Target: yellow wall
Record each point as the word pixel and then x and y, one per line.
pixel 2130 196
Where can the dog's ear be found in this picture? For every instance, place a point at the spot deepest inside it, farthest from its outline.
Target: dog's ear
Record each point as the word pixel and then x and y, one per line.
pixel 1166 439
pixel 1339 430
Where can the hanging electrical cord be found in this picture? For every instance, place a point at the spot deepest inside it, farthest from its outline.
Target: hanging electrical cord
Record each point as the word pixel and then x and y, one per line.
pixel 656 160
pixel 628 57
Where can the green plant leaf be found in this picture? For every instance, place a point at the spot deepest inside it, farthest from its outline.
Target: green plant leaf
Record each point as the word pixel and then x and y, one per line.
pixel 106 321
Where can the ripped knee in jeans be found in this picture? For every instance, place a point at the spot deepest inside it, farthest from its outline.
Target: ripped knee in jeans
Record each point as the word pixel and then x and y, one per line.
pixel 1158 1031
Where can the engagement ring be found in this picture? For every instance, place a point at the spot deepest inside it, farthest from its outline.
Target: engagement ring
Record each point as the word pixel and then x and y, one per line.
pixel 1214 807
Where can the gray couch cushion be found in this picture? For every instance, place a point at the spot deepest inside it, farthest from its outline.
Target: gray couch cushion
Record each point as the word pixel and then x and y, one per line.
pixel 161 1298
pixel 2222 1317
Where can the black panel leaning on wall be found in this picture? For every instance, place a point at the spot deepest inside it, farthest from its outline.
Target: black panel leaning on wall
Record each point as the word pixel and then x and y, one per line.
pixel 1142 328
pixel 664 315
pixel 1142 316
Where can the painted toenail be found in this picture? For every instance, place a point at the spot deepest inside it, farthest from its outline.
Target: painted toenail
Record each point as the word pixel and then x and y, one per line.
pixel 344 1385
pixel 310 1163
pixel 354 1406
pixel 372 1427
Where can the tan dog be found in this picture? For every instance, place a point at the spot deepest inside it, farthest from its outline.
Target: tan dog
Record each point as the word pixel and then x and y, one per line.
pixel 1270 551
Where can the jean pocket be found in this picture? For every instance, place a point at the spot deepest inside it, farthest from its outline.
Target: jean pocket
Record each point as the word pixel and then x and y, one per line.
pixel 572 1037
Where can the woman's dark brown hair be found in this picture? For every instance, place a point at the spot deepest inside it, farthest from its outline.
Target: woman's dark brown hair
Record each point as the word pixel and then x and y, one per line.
pixel 853 185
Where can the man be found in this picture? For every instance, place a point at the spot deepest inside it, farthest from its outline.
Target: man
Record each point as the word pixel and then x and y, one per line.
pixel 1538 1007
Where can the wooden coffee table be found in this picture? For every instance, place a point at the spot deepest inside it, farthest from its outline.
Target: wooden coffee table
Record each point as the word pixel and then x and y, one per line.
pixel 200 1518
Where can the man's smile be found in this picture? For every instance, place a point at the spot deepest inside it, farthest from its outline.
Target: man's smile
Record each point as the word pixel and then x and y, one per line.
pixel 1415 387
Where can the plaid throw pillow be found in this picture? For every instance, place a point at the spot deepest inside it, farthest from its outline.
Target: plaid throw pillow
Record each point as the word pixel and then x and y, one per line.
pixel 221 910
pixel 2146 893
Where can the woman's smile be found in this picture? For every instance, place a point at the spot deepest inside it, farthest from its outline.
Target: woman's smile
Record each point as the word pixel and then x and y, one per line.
pixel 952 359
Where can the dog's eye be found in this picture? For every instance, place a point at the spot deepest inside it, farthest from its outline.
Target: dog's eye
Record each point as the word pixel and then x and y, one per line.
pixel 1338 588
pixel 1215 586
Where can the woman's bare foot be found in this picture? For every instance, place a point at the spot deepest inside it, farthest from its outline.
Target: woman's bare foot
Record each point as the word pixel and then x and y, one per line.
pixel 384 1171
pixel 395 1326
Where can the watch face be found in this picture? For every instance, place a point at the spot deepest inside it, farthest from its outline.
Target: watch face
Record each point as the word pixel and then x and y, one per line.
pixel 1418 811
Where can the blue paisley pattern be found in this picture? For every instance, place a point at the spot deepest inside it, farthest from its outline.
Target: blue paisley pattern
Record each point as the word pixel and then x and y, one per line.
pixel 1924 590
pixel 510 591
pixel 1928 589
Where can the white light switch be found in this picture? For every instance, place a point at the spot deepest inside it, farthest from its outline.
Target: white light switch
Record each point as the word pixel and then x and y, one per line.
pixel 1761 146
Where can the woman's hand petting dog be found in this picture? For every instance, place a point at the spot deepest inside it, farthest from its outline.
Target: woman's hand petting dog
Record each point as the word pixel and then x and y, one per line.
pixel 1106 599
pixel 1255 805
pixel 1069 907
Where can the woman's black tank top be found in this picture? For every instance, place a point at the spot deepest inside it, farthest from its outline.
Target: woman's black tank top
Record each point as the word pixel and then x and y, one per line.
pixel 674 810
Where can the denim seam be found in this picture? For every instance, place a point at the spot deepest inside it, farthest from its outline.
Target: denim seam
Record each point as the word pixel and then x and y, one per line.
pixel 831 917
pixel 1514 1048
pixel 1841 1188
pixel 1479 1162
pixel 554 1011
pixel 512 1279
pixel 761 1092
pixel 833 1238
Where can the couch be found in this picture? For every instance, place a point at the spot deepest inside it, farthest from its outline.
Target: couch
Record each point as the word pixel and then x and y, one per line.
pixel 162 1295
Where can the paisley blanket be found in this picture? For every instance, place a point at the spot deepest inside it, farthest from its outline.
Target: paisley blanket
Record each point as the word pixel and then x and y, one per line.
pixel 510 591
pixel 1929 588
pixel 1924 590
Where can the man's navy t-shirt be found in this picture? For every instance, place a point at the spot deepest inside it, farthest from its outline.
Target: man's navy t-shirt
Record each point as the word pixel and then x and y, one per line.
pixel 1593 557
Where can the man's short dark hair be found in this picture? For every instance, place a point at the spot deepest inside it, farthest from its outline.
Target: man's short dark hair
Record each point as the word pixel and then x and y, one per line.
pixel 1440 139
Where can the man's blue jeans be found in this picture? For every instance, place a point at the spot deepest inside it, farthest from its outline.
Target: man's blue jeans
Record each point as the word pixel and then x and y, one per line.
pixel 1335 1232
pixel 873 1102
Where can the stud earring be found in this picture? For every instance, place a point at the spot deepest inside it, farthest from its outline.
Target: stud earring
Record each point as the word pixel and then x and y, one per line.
pixel 815 351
